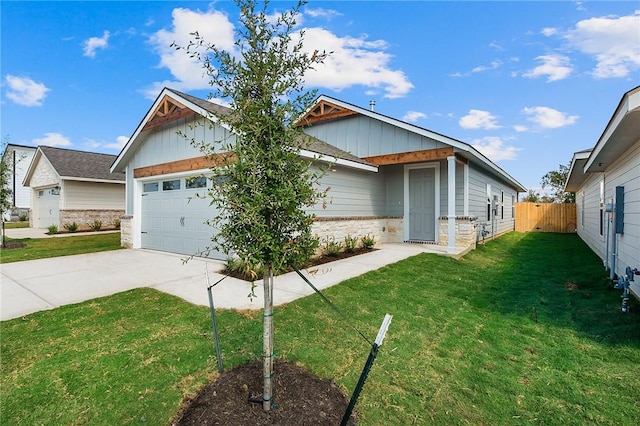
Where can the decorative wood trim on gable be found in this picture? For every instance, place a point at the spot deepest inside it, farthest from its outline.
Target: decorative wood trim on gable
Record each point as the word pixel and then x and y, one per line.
pixel 168 110
pixel 325 111
pixel 179 166
pixel 411 157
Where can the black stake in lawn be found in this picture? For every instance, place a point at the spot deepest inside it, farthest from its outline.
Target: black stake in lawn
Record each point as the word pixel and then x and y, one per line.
pixel 367 367
pixel 375 346
pixel 214 323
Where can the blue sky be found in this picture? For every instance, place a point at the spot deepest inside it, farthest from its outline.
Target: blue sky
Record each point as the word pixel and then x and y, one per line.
pixel 526 83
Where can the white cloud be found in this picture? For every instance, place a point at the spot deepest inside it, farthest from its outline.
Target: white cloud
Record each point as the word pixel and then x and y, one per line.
pixel 94 43
pixel 413 116
pixel 549 118
pixel 120 142
pixel 494 64
pixel 549 31
pixel 520 128
pixel 613 42
pixel 213 26
pixel 556 67
pixel 478 119
pixel 354 61
pixel 495 148
pixel 53 139
pixel 320 12
pixel 24 91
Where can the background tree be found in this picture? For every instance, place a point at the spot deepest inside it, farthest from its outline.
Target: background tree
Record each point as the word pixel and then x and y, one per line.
pixel 262 190
pixel 555 180
pixel 6 203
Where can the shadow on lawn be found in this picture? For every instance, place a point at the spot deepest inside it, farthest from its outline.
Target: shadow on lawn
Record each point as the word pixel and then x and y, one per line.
pixel 556 279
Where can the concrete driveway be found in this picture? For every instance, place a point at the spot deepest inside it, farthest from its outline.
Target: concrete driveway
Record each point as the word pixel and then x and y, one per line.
pixel 37 285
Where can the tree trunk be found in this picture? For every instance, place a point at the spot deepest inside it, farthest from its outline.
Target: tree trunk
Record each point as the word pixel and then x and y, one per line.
pixel 267 339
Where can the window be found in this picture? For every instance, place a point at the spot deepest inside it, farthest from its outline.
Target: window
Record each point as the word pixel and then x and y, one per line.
pixel 488 202
pixel 513 206
pixel 501 204
pixel 171 185
pixel 150 187
pixel 195 182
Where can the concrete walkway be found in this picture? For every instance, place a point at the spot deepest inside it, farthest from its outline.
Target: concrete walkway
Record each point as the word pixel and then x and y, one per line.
pixel 37 285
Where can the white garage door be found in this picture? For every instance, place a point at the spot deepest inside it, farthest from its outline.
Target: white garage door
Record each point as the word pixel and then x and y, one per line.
pixel 174 217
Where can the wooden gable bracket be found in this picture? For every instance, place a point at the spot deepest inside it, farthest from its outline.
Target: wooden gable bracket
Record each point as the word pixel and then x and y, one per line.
pixel 325 111
pixel 168 110
pixel 411 157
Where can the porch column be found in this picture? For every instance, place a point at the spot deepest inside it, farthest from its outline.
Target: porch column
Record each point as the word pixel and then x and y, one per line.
pixel 451 204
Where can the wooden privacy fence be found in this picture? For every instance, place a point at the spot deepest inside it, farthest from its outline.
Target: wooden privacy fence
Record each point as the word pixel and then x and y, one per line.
pixel 546 217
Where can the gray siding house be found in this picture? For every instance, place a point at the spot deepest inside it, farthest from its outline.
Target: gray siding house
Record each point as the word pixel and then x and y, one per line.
pixel 73 186
pixel 390 179
pixel 606 180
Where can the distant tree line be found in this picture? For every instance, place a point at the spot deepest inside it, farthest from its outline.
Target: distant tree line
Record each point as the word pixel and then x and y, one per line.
pixel 555 180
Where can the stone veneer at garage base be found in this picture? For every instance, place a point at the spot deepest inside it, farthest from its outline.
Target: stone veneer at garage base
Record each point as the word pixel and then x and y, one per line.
pixel 85 217
pixel 383 229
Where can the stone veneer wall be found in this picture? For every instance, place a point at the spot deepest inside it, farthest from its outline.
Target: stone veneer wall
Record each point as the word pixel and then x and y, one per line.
pixel 466 232
pixel 126 234
pixel 384 229
pixel 84 217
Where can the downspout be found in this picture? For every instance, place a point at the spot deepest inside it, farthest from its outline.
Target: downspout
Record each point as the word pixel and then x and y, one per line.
pixel 14 179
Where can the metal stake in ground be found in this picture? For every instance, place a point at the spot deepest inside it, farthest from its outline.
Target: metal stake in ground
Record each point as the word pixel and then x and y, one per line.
pixel 367 367
pixel 214 323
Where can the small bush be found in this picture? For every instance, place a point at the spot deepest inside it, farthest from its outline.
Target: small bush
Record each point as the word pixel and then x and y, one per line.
pixel 331 247
pixel 368 241
pixel 53 229
pixel 71 227
pixel 116 223
pixel 23 218
pixel 350 244
pixel 96 225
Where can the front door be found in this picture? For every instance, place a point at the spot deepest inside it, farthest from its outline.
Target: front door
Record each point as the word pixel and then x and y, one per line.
pixel 422 211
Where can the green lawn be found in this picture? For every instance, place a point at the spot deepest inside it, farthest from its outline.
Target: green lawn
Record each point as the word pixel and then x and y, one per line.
pixel 523 330
pixel 16 225
pixel 39 248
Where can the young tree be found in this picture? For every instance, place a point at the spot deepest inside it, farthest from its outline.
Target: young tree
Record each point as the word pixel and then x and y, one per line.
pixel 556 179
pixel 263 188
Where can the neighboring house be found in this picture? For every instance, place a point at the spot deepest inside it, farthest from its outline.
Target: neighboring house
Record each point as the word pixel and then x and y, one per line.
pixel 606 180
pixel 390 179
pixel 73 186
pixel 18 158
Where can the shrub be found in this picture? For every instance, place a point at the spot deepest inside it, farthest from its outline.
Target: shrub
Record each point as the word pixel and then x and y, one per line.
pixel 116 223
pixel 71 227
pixel 368 241
pixel 53 229
pixel 331 247
pixel 350 244
pixel 96 225
pixel 23 218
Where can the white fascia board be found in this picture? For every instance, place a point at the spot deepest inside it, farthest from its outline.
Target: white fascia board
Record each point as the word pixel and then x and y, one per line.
pixel 629 102
pixel 339 161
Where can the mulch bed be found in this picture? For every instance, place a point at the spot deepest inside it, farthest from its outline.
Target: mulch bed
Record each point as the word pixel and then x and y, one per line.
pixel 300 398
pixel 315 261
pixel 13 245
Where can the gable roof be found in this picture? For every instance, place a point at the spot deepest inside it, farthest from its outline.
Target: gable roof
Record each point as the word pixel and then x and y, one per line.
pixel 326 108
pixel 621 132
pixel 172 104
pixel 70 164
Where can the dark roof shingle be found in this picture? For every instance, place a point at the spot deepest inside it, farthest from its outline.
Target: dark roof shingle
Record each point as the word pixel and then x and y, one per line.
pixel 81 164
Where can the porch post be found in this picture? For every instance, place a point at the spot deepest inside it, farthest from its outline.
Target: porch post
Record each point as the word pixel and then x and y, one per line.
pixel 451 204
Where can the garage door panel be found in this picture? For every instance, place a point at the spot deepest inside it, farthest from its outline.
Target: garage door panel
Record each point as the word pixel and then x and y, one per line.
pixel 175 221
